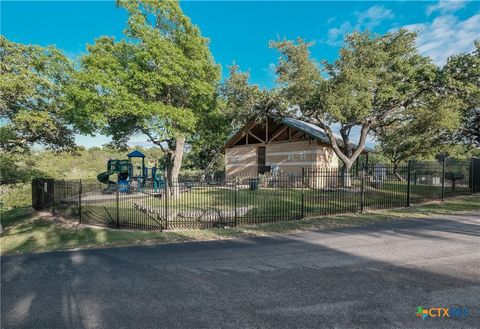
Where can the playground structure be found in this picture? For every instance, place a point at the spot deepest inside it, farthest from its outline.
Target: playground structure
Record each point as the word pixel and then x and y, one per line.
pixel 131 175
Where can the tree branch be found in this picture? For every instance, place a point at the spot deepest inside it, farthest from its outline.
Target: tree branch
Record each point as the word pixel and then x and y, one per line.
pixel 156 142
pixel 361 142
pixel 333 141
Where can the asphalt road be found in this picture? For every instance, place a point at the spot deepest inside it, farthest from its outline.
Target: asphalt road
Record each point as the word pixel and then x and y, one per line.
pixel 371 277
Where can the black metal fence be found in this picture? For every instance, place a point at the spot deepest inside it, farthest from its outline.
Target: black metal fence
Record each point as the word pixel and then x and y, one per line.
pixel 218 201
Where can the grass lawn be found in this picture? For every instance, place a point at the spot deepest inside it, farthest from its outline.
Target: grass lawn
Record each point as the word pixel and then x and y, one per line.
pixel 265 205
pixel 26 231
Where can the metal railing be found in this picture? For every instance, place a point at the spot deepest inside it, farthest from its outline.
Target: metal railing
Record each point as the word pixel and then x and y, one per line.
pixel 219 201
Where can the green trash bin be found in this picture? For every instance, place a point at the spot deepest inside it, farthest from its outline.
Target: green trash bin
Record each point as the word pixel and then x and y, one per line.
pixel 254 184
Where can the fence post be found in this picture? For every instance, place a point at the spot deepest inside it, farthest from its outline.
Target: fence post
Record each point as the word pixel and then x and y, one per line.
pixel 470 175
pixel 53 194
pixel 443 177
pixel 34 193
pixel 80 202
pixel 362 190
pixel 166 202
pixel 43 193
pixel 409 169
pixel 117 204
pixel 235 203
pixel 303 193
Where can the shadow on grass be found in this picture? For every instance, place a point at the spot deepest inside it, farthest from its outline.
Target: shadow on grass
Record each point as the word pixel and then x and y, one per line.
pixel 10 217
pixel 33 234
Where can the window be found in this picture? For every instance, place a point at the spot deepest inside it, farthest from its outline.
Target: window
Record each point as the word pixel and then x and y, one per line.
pixel 290 156
pixel 303 155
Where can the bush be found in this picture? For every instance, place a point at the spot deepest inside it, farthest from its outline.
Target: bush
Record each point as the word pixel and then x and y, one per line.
pixel 16 195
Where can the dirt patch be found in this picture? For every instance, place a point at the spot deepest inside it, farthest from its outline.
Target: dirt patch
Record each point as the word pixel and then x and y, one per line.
pixel 66 221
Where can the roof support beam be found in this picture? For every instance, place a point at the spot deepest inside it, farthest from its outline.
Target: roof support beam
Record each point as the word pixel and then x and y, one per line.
pixel 239 135
pixel 266 130
pixel 277 133
pixel 256 137
pixel 298 134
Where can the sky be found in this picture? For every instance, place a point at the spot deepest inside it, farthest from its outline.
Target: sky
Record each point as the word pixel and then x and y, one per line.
pixel 239 32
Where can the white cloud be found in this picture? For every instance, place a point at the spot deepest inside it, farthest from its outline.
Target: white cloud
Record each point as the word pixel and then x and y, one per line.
pixel 445 36
pixel 367 19
pixel 446 6
pixel 335 35
pixel 331 20
pixel 271 71
pixel 373 16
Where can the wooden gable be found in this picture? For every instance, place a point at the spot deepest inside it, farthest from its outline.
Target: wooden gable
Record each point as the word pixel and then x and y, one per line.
pixel 255 133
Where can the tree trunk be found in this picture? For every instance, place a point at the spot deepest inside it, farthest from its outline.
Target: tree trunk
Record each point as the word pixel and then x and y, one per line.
pixel 395 172
pixel 348 156
pixel 347 174
pixel 173 163
pixel 347 150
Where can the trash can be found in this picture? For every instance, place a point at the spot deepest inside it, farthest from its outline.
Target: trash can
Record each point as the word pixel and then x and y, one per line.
pixel 253 184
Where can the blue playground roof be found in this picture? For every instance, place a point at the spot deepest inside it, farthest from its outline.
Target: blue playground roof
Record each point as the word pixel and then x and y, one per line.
pixel 136 154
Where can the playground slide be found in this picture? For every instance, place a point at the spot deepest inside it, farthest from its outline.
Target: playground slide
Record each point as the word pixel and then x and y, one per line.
pixel 104 177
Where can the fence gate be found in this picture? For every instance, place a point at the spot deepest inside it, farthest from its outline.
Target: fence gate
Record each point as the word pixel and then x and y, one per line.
pixel 42 193
pixel 476 175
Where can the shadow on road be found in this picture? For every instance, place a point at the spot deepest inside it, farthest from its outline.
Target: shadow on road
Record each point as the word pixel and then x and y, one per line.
pixel 345 278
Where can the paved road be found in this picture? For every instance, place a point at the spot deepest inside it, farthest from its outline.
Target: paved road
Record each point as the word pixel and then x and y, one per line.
pixel 371 277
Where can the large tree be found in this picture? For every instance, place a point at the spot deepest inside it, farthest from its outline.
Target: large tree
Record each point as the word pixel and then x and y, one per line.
pixel 244 101
pixel 423 129
pixel 448 114
pixel 374 79
pixel 239 102
pixel 461 79
pixel 158 81
pixel 32 104
pixel 210 135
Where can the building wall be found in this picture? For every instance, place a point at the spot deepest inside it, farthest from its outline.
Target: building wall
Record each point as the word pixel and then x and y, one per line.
pixel 289 157
pixel 325 169
pixel 241 161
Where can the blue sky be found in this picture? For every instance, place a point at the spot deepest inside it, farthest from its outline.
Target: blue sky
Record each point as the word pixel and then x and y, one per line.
pixel 240 31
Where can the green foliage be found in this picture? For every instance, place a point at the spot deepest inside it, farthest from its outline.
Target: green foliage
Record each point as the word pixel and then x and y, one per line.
pixel 32 109
pixel 461 80
pixel 17 168
pixel 210 134
pixel 15 195
pixel 17 171
pixel 238 103
pixel 443 116
pixel 423 130
pixel 244 102
pixel 158 81
pixel 373 80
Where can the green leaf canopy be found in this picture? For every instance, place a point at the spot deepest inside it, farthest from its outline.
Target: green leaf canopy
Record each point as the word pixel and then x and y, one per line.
pixel 32 107
pixel 159 80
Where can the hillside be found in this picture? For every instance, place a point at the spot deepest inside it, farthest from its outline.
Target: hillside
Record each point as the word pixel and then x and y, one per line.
pixel 18 170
